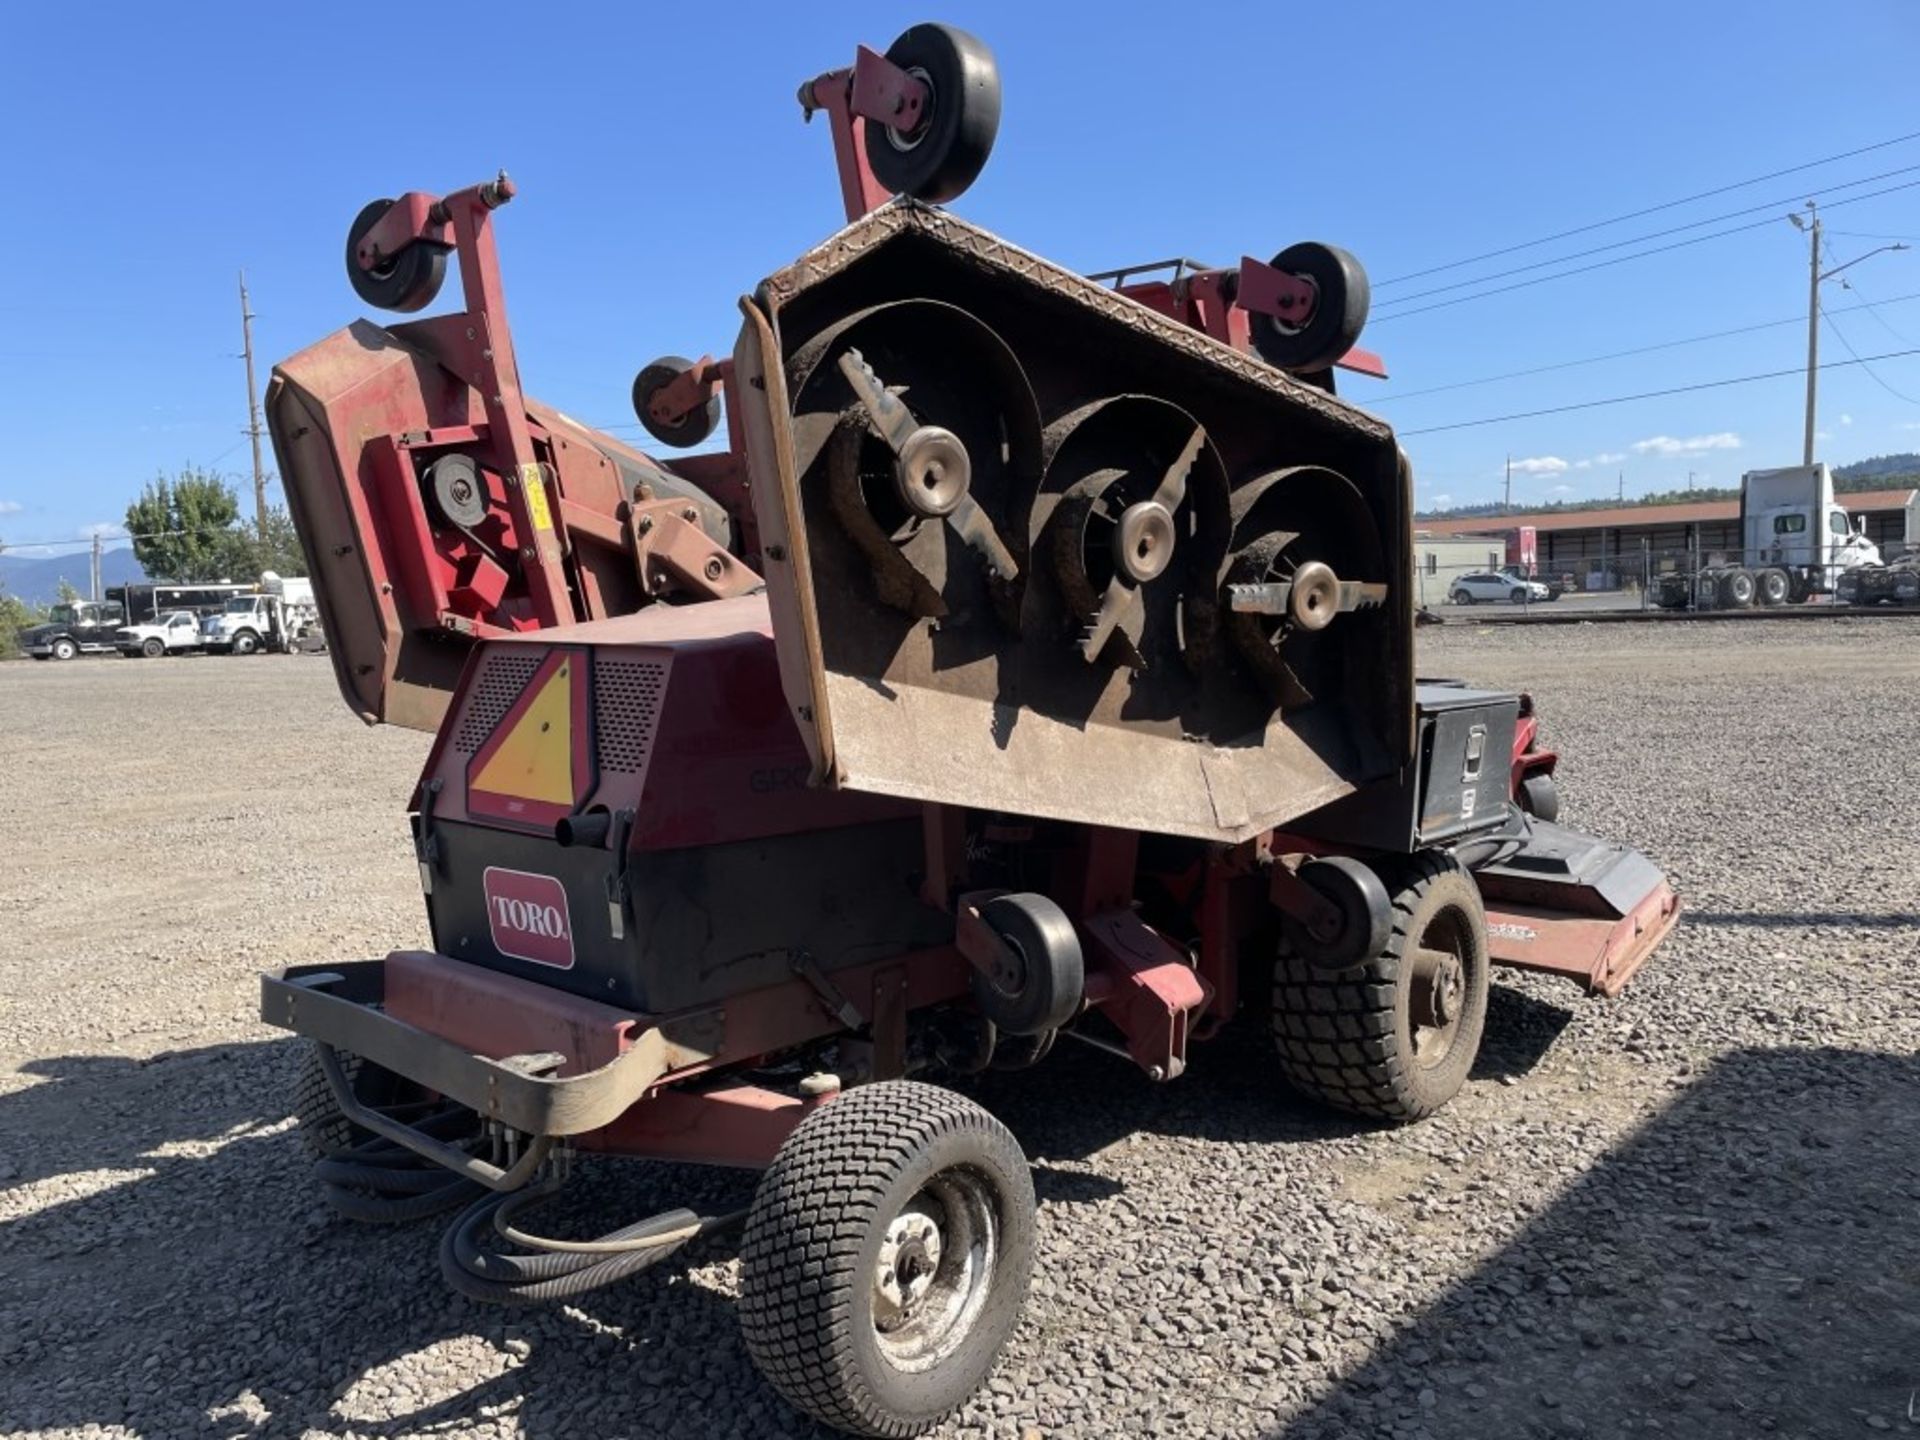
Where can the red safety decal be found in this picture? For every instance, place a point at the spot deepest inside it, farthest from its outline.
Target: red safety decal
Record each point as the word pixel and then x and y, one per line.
pixel 527 914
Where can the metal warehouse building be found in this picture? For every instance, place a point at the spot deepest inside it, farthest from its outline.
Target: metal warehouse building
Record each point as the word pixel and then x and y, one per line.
pixel 1608 545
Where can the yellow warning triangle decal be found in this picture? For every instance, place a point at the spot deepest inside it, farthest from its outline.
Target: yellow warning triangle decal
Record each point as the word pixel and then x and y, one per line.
pixel 535 761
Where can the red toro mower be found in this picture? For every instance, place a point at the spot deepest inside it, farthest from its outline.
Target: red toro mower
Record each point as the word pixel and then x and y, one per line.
pixel 1034 663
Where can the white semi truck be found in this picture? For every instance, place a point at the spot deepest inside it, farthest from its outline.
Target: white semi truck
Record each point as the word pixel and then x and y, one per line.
pixel 1895 583
pixel 1795 541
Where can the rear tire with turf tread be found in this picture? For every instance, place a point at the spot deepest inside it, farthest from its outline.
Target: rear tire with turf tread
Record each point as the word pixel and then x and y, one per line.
pixel 323 1129
pixel 813 1248
pixel 1347 1040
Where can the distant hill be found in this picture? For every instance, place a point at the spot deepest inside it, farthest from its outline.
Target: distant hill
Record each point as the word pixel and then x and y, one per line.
pixel 36 579
pixel 1881 472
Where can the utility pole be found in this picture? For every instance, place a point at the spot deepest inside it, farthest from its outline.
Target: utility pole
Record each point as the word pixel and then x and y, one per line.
pixel 1621 495
pixel 1506 505
pixel 1811 225
pixel 253 415
pixel 98 593
pixel 1813 324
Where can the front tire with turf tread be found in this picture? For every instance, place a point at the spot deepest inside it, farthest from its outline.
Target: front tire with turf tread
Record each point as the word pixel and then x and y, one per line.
pixel 814 1237
pixel 1347 1040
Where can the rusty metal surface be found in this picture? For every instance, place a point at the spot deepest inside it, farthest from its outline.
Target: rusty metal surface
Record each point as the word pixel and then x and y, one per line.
pixel 345 1016
pixel 995 255
pixel 401 594
pixel 1599 953
pixel 930 672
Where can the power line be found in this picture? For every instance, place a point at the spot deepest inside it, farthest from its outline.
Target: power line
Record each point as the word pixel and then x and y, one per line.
pixel 1622 259
pixel 1637 350
pixel 1841 335
pixel 1649 210
pixel 1872 308
pixel 1655 394
pixel 1767 206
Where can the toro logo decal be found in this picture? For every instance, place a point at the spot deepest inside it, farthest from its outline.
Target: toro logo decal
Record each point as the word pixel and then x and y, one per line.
pixel 527 914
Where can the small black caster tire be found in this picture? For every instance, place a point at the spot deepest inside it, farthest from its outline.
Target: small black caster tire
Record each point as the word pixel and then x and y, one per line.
pixel 1044 980
pixel 1339 315
pixel 1540 797
pixel 689 429
pixel 944 154
pixel 1366 914
pixel 405 283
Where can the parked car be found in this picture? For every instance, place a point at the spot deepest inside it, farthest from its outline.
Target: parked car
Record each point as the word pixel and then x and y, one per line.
pixel 1556 584
pixel 1487 585
pixel 171 634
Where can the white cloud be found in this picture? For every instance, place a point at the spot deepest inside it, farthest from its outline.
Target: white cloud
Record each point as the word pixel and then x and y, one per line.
pixel 1443 500
pixel 1846 420
pixel 1823 434
pixel 1609 457
pixel 1563 490
pixel 11 507
pixel 1695 445
pixel 105 529
pixel 1540 465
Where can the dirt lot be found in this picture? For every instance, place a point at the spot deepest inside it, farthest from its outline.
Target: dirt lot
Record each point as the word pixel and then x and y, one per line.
pixel 1691 1211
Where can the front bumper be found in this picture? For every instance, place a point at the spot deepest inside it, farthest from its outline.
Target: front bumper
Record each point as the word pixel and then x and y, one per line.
pixel 537 1060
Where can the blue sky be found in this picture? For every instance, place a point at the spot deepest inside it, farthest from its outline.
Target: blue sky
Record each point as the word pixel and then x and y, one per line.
pixel 663 169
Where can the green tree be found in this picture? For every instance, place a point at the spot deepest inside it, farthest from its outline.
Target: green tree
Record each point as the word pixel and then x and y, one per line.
pixel 280 552
pixel 15 615
pixel 186 528
pixel 64 589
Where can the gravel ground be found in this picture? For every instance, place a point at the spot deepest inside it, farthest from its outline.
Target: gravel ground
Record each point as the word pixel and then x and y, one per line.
pixel 1689 1211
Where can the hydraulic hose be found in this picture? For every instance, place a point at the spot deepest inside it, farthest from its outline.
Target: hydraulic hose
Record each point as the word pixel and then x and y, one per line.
pixel 381 1183
pixel 584 1265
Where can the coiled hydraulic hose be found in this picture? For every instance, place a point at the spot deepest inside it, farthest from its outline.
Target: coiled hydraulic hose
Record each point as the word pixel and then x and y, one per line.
pixel 564 1268
pixel 381 1183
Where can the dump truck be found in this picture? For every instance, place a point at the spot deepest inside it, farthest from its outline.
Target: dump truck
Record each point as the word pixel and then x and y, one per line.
pixel 1796 541
pixel 1032 667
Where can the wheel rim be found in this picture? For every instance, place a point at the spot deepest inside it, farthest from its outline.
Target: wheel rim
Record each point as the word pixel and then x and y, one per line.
pixel 935 1270
pixel 908 140
pixel 1437 1003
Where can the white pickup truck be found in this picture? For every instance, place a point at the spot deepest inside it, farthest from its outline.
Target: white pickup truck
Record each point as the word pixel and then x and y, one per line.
pixel 173 633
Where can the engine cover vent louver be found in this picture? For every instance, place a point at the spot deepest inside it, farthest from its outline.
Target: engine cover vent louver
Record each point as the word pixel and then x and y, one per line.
pixel 627 695
pixel 502 677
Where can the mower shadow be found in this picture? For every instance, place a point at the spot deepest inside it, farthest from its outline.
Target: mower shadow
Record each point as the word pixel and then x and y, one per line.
pixel 181 1275
pixel 1080 1100
pixel 1743 1264
pixel 178 1273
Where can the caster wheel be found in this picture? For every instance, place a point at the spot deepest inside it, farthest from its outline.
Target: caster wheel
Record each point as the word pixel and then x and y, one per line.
pixel 943 155
pixel 1540 797
pixel 1339 315
pixel 690 429
pixel 1040 985
pixel 1366 914
pixel 405 283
